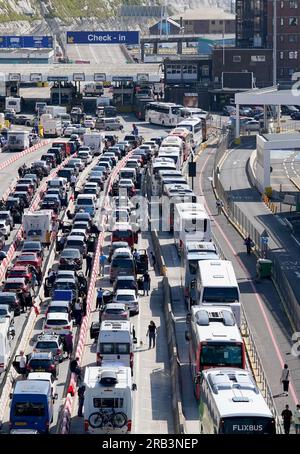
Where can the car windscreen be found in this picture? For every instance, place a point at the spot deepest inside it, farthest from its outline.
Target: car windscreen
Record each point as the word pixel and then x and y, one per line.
pixel 125 298
pixel 40 363
pixel 109 348
pixel 56 309
pixel 3 312
pixel 12 285
pixel 74 243
pixel 85 202
pixel 57 322
pixel 114 311
pixel 33 409
pixel 70 254
pixel 122 263
pixel 220 294
pixel 7 299
pixel 44 345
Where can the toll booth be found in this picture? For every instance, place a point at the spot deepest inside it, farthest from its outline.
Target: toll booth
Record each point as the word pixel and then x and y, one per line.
pixel 62 93
pixel 123 93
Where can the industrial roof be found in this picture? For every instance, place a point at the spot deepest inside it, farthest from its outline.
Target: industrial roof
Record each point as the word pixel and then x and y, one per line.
pixel 204 14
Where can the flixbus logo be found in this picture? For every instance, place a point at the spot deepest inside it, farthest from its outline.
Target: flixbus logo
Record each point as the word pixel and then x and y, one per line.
pixel 247 427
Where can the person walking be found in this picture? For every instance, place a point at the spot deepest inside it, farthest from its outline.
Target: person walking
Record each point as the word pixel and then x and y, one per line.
pixel 75 368
pixel 146 283
pixel 99 302
pixel 73 182
pixel 68 344
pixel 89 264
pixel 22 364
pixel 33 279
pixel 219 205
pixel 285 379
pixel 153 259
pixel 135 130
pixel 102 261
pixel 287 416
pixel 151 333
pixel 81 391
pixel 28 300
pixel 249 244
pixel 84 304
pixel 78 312
pixel 21 298
pixel 296 417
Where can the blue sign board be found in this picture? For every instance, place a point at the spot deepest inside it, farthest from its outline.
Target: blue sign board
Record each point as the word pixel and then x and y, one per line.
pixel 35 42
pixel 103 37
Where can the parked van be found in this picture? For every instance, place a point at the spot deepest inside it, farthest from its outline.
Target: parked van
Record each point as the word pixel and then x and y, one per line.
pixel 217 285
pixel 86 202
pixel 115 342
pixel 31 405
pixel 122 264
pixel 108 400
pixel 109 124
pixel 6 333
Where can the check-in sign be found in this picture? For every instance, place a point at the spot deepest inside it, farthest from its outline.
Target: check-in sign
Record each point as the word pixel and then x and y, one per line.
pixel 36 77
pixel 110 37
pixel 100 77
pixel 78 77
pixel 14 77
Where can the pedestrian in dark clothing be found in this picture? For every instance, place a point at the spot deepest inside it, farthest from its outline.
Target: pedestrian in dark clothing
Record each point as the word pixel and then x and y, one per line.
pixel 81 391
pixel 285 379
pixel 249 244
pixel 39 277
pixel 287 419
pixel 153 259
pixel 84 304
pixel 68 344
pixel 146 283
pixel 151 333
pixel 69 215
pixel 89 264
pixel 99 301
pixel 75 368
pixel 28 300
pixel 22 300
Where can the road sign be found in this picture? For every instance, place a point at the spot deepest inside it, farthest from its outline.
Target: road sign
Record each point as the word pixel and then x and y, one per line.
pixel 115 37
pixel 122 79
pixel 35 42
pixel 99 77
pixel 57 78
pixel 36 77
pixel 142 78
pixel 78 77
pixel 16 77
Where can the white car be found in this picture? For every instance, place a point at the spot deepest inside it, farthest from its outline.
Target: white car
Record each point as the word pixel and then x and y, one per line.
pixel 252 125
pixel 85 156
pixel 45 376
pixel 68 131
pixel 89 123
pixel 78 162
pixel 58 323
pixel 5 228
pixel 129 298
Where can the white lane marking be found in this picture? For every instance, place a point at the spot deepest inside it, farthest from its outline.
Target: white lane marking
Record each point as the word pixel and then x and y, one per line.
pixel 297 241
pixel 137 371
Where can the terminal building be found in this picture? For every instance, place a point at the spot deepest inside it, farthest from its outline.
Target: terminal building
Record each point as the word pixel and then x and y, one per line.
pixel 26 56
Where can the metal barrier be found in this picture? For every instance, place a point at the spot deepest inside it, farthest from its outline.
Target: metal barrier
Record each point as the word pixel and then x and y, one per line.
pixel 245 227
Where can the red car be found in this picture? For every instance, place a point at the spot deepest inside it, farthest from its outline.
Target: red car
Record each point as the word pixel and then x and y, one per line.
pixel 19 271
pixel 29 258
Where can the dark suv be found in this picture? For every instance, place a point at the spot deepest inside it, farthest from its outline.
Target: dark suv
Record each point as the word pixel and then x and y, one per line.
pixel 38 362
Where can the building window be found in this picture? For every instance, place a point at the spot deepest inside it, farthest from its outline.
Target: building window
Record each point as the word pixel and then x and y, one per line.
pixel 258 58
pixel 205 70
pixel 282 21
pixel 236 59
pixel 293 4
pixel 293 21
pixel 220 22
pixel 293 55
pixel 293 38
pixel 213 22
pixel 281 38
pixel 281 55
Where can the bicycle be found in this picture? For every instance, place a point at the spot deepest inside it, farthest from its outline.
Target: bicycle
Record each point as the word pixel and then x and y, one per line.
pixel 107 418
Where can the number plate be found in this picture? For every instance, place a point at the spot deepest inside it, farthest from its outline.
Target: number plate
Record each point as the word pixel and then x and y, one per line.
pixel 21 423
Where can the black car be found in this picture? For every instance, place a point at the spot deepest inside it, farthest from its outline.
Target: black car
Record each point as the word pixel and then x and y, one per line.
pixel 38 362
pixel 10 117
pixel 112 139
pixel 295 115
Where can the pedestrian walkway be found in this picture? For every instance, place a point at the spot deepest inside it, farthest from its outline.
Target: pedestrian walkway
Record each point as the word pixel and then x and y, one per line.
pixel 152 410
pixel 268 321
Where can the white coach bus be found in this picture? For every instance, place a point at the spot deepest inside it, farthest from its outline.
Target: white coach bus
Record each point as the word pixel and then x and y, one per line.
pixel 162 113
pixel 231 403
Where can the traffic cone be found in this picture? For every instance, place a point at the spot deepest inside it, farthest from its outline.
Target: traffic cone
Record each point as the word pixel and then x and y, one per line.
pixel 71 390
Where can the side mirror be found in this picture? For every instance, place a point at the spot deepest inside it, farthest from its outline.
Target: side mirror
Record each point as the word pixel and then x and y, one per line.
pixel 188 318
pixel 55 396
pixel 135 340
pixel 10 395
pixel 134 387
pixel 187 336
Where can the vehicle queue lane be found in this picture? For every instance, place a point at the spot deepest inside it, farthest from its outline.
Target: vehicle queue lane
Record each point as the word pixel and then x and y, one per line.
pixel 39 323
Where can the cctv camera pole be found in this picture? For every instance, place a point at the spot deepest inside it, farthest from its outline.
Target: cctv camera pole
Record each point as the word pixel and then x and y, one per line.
pixel 274 43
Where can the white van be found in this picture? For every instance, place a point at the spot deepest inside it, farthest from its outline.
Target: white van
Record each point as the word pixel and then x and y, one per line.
pixel 108 399
pixel 6 333
pixel 217 285
pixel 115 343
pixel 13 103
pixel 87 202
pixel 173 152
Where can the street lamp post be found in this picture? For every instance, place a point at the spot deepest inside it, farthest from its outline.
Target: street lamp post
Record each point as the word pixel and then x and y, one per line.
pixel 274 43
